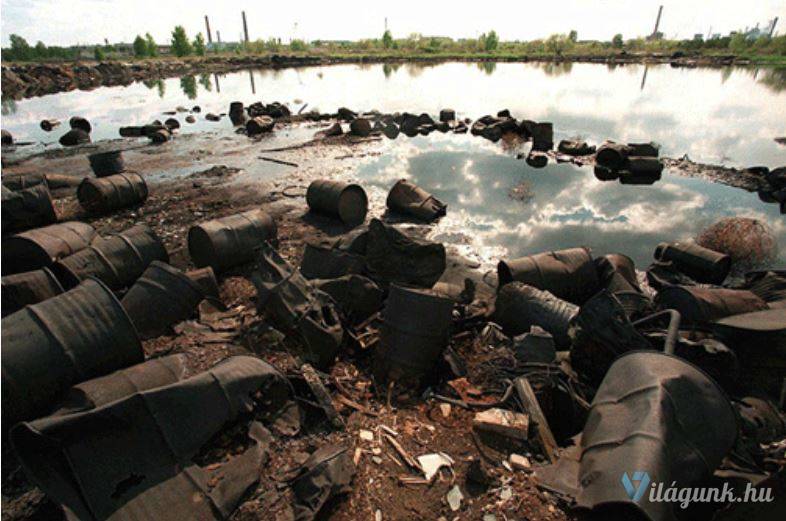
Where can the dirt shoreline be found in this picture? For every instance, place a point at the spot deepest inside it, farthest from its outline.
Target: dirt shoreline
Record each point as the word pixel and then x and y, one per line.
pixel 38 79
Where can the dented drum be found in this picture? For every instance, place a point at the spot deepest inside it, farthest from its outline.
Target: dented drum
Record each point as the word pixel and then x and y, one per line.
pixel 230 241
pixel 107 163
pixel 48 347
pixel 41 247
pixel 106 194
pixel 22 289
pixel 699 263
pixel 27 208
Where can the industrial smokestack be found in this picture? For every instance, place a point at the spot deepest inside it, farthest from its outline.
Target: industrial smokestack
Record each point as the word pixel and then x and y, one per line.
pixel 657 21
pixel 245 27
pixel 207 26
pixel 772 27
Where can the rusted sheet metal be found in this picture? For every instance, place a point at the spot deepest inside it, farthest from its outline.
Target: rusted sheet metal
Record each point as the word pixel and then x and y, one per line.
pixel 162 296
pixel 133 458
pixel 117 260
pixel 567 274
pixel 70 338
pixel 31 287
pixel 27 208
pixel 107 194
pixel 205 278
pixel 230 241
pixel 296 306
pixel 39 248
pixel 655 414
pixel 518 307
pixel 770 286
pixel 415 332
pixel 699 263
pixel 410 199
pixel 699 305
pixel 344 201
pixel 356 296
pixel 321 261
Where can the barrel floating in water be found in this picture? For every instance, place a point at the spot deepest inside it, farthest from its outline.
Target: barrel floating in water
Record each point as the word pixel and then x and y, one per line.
pixel 30 287
pixel 568 274
pixel 408 198
pixel 7 138
pixel 415 332
pixel 48 124
pixel 74 137
pixel 21 181
pixel 205 278
pixel 230 241
pixel 70 338
pixel 27 208
pixel 259 124
pixel 344 201
pixel 162 296
pixel 107 194
pixel 107 163
pixel 117 260
pixel 39 248
pixel 78 122
pixel 697 262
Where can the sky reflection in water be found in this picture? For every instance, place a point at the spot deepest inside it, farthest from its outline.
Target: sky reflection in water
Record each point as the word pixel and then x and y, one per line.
pixel 713 115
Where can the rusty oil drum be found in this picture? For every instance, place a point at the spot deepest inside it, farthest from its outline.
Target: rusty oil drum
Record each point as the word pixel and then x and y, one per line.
pixel 567 274
pixel 31 287
pixel 344 201
pixel 27 208
pixel 415 332
pixel 107 163
pixel 41 247
pixel 117 260
pixel 70 338
pixel 205 278
pixel 699 263
pixel 162 296
pixel 106 194
pixel 230 241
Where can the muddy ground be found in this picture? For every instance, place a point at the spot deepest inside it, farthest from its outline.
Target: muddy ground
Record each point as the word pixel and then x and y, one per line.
pixel 213 175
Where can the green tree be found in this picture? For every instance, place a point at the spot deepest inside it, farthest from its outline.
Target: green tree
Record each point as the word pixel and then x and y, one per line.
pixel 140 47
pixel 573 36
pixel 180 44
pixel 491 41
pixel 98 53
pixel 40 50
pixel 297 45
pixel 152 46
pixel 387 40
pixel 738 43
pixel 616 42
pixel 199 45
pixel 20 49
pixel 189 86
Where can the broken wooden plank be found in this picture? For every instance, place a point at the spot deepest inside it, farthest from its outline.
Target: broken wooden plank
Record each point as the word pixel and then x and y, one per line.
pixel 532 407
pixel 406 456
pixel 322 396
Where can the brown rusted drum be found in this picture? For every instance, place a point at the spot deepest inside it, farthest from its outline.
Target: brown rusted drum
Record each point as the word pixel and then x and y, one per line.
pixel 568 274
pixel 38 248
pixel 70 338
pixel 162 296
pixel 22 181
pixel 410 199
pixel 230 241
pixel 31 287
pixel 106 194
pixel 344 201
pixel 416 330
pixel 107 163
pixel 117 260
pixel 205 278
pixel 27 208
pixel 699 263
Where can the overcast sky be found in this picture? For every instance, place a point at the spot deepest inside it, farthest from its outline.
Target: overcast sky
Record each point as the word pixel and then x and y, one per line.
pixel 67 22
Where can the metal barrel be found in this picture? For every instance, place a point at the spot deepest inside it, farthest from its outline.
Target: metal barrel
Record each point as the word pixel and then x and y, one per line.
pixel 230 241
pixel 205 278
pixel 344 201
pixel 542 136
pixel 617 272
pixel 568 274
pixel 259 125
pixel 106 194
pixel 117 260
pixel 38 248
pixel 408 198
pixel 70 338
pixel 22 181
pixel 49 124
pixel 162 296
pixel 107 163
pixel 74 137
pixel 699 263
pixel 416 330
pixel 699 305
pixel 78 122
pixel 643 165
pixel 612 155
pixel 27 208
pixel 31 287
pixel 518 307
